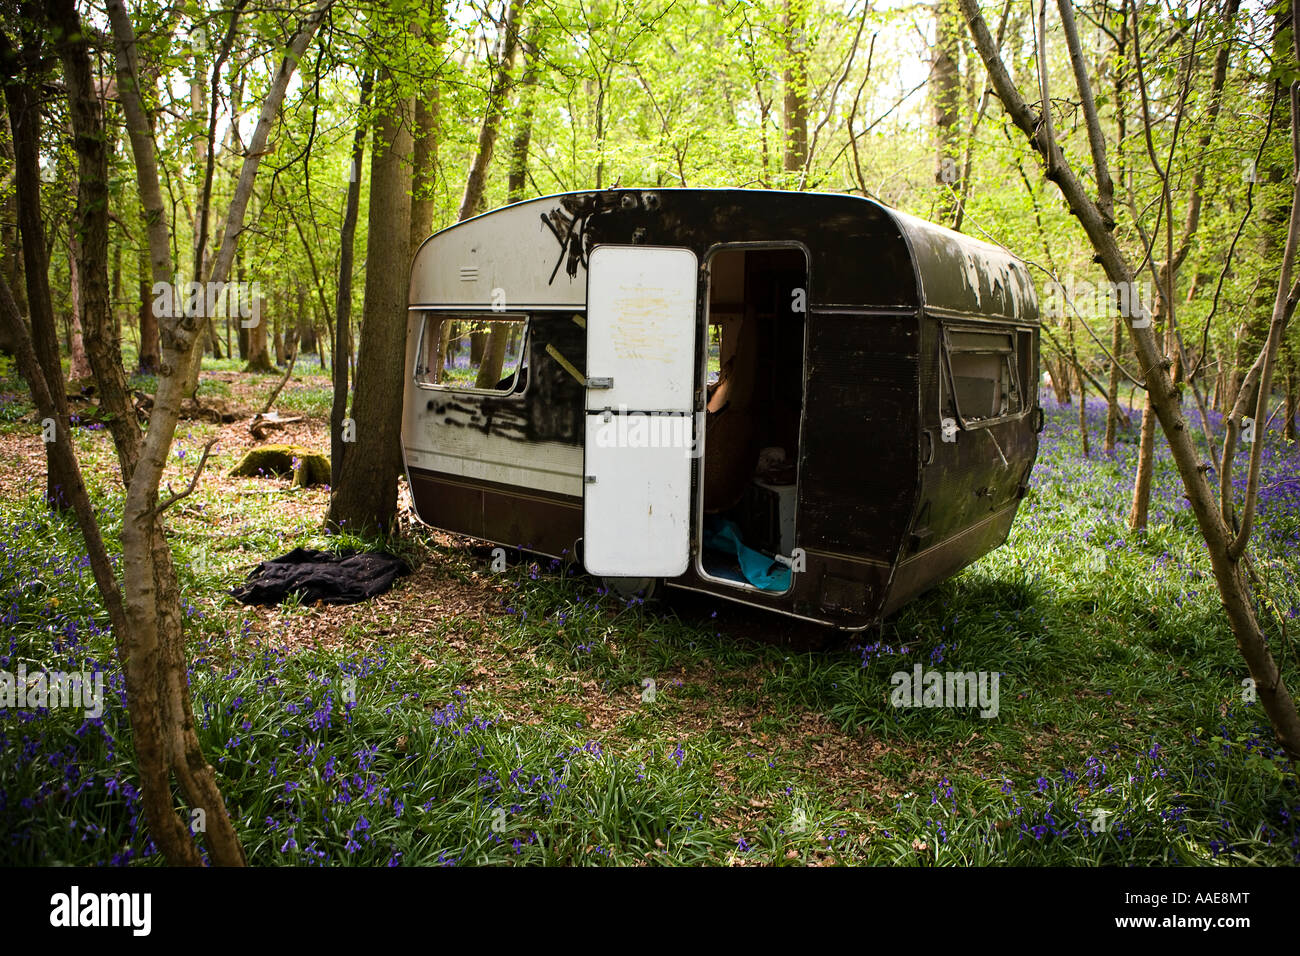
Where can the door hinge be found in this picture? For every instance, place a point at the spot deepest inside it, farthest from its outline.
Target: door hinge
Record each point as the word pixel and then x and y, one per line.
pixel 600 382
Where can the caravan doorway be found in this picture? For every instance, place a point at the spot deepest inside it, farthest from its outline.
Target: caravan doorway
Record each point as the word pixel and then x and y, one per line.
pixel 754 373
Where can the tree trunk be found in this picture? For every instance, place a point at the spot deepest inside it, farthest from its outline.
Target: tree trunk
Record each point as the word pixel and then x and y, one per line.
pixel 1077 369
pixel 425 148
pixel 11 248
pixel 298 332
pixel 1225 547
pixel 1120 85
pixel 1291 377
pixel 144 636
pixel 12 327
pixel 259 356
pixel 518 173
pixel 322 342
pixel 444 343
pixel 1060 374
pixel 79 372
pixel 471 203
pixel 365 498
pixel 139 127
pixel 1141 502
pixel 1112 385
pixel 424 167
pixel 242 338
pixel 150 641
pixel 794 80
pixel 945 103
pixel 343 297
pixel 25 122
pixel 307 343
pixel 147 354
pixel 494 356
pixel 203 143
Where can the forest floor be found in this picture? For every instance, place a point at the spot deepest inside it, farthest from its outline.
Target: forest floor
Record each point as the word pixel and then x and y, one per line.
pixel 469 717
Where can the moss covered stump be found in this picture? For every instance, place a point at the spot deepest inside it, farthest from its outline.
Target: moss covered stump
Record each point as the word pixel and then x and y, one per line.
pixel 304 465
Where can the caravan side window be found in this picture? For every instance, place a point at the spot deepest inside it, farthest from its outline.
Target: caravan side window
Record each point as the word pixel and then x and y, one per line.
pixel 982 375
pixel 475 352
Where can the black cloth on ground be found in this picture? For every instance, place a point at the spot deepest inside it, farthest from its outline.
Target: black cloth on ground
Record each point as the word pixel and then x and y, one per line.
pixel 343 577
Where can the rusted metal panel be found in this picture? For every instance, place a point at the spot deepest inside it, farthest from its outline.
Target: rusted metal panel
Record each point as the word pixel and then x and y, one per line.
pixel 859 458
pixel 961 275
pixel 920 572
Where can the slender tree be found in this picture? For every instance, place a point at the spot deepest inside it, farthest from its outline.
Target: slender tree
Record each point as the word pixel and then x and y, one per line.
pixel 148 626
pixel 365 496
pixel 945 105
pixel 1226 532
pixel 343 299
pixel 492 349
pixel 794 81
pixel 25 62
pixel 471 203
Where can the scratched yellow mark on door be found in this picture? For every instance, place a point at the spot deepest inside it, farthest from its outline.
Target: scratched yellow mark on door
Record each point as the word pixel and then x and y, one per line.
pixel 640 326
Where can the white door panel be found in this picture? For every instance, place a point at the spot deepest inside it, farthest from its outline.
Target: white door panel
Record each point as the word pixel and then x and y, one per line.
pixel 641 347
pixel 641 327
pixel 636 515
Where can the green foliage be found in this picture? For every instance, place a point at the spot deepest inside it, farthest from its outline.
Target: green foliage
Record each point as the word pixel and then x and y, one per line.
pixel 670 94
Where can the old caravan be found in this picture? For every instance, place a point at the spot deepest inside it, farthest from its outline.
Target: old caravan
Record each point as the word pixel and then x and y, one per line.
pixel 801 401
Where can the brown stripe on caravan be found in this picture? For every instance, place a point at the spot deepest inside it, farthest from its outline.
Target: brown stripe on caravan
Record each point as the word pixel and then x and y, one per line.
pixel 533 520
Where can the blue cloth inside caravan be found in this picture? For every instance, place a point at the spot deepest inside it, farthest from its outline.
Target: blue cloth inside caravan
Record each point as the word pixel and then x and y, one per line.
pixel 722 534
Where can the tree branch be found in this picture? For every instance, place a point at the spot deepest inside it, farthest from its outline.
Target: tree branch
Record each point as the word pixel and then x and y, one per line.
pixel 198 471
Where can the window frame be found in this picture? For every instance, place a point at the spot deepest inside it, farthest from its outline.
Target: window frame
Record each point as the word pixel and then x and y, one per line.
pixel 1011 357
pixel 470 315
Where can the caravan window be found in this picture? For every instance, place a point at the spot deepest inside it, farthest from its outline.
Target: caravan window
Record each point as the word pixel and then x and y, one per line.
pixel 478 352
pixel 983 375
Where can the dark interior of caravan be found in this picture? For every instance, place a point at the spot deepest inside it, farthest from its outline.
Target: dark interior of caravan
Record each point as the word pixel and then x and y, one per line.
pixel 757 306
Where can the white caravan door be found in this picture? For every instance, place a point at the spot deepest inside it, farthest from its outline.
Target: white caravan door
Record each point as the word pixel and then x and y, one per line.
pixel 641 345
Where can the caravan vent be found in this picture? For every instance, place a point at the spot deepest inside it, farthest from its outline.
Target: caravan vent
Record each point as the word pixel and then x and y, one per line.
pixel 469 273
